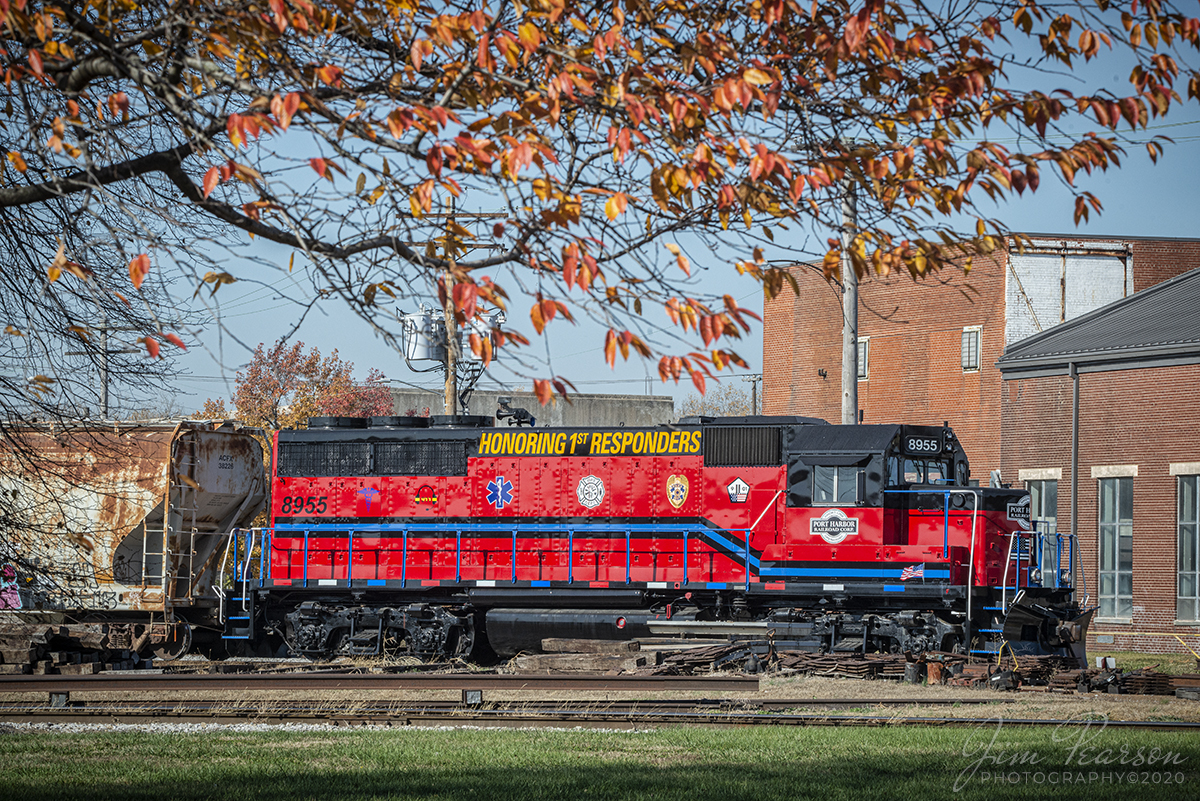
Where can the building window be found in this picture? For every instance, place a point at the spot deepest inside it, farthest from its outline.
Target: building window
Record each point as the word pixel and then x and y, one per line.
pixel 864 352
pixel 835 485
pixel 970 348
pixel 1187 606
pixel 1116 548
pixel 1044 513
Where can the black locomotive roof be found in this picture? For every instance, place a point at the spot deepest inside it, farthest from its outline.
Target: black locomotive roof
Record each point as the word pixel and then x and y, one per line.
pixel 752 420
pixel 357 429
pixel 861 439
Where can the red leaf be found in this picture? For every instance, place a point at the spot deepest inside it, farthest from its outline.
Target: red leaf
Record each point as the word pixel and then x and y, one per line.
pixel 35 62
pixel 175 340
pixel 151 347
pixel 321 166
pixel 211 179
pixel 698 380
pixel 465 296
pixel 543 390
pixel 139 268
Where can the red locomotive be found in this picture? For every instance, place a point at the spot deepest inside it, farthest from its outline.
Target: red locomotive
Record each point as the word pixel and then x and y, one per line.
pixel 439 536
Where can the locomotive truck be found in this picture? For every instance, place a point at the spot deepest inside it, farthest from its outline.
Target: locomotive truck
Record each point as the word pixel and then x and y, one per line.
pixel 446 536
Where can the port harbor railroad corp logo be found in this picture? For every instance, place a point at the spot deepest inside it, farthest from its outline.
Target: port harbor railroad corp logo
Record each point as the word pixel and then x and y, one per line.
pixel 833 526
pixel 1019 513
pixel 426 494
pixel 677 490
pixel 590 491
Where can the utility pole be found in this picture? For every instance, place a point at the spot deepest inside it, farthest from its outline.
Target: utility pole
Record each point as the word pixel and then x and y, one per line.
pixel 753 379
pixel 451 392
pixel 849 308
pixel 103 329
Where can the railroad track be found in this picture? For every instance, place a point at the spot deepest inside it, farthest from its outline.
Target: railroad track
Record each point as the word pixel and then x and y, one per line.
pixel 171 682
pixel 528 716
pixel 475 707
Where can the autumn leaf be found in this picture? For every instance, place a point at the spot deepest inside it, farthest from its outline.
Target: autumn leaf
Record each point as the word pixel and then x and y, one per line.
pixel 543 390
pixel 139 268
pixel 756 77
pixel 175 340
pixel 211 179
pixel 615 206
pixel 151 346
pixel 330 74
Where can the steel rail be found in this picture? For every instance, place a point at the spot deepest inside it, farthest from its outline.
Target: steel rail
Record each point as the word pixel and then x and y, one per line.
pixel 548 718
pixel 370 681
pixel 253 707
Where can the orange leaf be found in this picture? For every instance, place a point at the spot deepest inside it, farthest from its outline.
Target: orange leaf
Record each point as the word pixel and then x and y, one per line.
pixel 615 206
pixel 151 347
pixel 535 314
pixel 139 268
pixel 321 166
pixel 175 340
pixel 17 161
pixel 211 179
pixel 543 390
pixel 756 77
pixel 698 380
pixel 330 74
pixel 610 348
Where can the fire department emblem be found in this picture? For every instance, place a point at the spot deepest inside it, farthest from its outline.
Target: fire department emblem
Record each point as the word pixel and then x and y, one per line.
pixel 677 489
pixel 590 491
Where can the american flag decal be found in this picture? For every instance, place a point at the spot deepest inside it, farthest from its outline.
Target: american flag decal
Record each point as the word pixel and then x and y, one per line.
pixel 916 571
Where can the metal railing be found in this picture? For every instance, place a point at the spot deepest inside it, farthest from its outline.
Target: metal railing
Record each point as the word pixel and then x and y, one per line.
pixel 352 541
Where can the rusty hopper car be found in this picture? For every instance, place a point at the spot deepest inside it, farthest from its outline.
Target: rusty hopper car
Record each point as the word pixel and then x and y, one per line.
pixel 428 536
pixel 113 534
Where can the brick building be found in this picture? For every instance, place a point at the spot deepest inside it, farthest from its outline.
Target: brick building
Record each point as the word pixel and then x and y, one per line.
pixel 928 347
pixel 929 350
pixel 1126 377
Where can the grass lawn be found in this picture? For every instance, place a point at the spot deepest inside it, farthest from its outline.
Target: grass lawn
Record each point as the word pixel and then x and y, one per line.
pixel 1174 664
pixel 686 764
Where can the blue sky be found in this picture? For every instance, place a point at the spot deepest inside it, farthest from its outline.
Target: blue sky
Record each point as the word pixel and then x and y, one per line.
pixel 1140 199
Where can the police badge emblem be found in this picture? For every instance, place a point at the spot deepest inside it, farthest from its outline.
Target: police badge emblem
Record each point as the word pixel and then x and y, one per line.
pixel 677 490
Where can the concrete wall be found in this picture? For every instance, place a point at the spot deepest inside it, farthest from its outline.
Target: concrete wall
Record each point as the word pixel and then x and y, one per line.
pixel 584 410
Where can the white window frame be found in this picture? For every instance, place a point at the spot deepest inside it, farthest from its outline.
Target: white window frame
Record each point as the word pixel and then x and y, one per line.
pixel 1187 525
pixel 863 358
pixel 1119 601
pixel 977 331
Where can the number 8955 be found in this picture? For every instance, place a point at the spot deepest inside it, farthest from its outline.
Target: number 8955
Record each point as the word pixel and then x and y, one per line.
pixel 312 505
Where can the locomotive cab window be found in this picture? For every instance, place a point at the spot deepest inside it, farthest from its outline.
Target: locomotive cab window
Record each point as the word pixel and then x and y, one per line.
pixel 919 471
pixel 837 485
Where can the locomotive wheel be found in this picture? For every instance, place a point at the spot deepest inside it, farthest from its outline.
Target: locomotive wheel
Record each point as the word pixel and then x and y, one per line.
pixel 177 643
